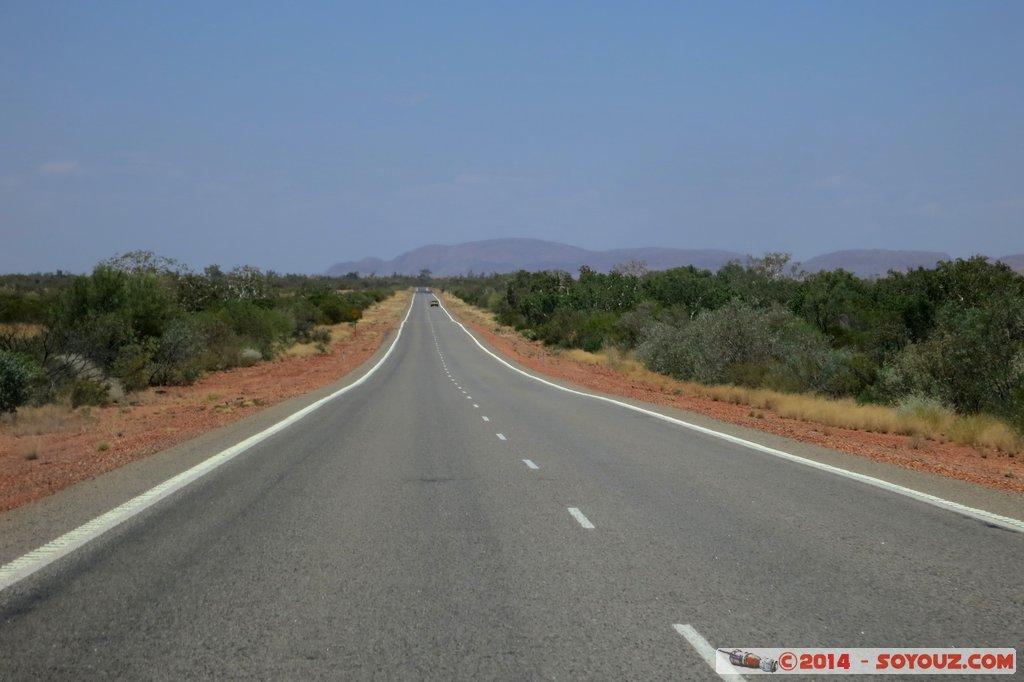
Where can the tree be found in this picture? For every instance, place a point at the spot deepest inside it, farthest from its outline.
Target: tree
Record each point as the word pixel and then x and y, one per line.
pixel 837 303
pixel 635 268
pixel 688 287
pixel 532 297
pixel 116 306
pixel 144 261
pixel 247 283
pixel 761 281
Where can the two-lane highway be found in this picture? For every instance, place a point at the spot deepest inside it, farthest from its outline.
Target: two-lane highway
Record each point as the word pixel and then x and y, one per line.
pixel 450 518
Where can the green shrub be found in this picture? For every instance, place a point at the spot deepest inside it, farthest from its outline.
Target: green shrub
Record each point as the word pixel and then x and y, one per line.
pixel 594 330
pixel 354 303
pixel 98 338
pixel 221 345
pixel 332 309
pixel 973 361
pixel 177 359
pixel 846 373
pixel 561 329
pixel 757 347
pixel 87 392
pixel 632 326
pixel 305 316
pixel 664 349
pixel 133 366
pixel 266 329
pixel 16 377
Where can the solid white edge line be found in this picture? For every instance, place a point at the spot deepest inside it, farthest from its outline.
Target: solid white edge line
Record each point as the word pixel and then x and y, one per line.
pixel 704 649
pixel 39 558
pixel 583 520
pixel 979 514
pixel 529 463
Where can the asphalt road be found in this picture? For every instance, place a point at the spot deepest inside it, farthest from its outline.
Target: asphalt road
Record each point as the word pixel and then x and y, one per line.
pixel 452 519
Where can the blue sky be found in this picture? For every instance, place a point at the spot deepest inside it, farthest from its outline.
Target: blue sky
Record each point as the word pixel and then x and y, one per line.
pixel 291 136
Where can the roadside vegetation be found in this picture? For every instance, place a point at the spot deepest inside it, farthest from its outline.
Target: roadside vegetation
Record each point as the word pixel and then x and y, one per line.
pixel 931 353
pixel 139 320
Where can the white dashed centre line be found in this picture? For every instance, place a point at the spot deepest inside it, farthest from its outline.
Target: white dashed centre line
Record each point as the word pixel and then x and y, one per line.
pixel 578 515
pixel 476 406
pixel 530 464
pixel 501 436
pixel 486 419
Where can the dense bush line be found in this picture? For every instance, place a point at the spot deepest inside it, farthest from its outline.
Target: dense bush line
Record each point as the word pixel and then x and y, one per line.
pixel 953 334
pixel 139 320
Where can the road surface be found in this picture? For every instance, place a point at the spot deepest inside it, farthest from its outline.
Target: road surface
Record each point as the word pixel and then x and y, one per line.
pixel 450 518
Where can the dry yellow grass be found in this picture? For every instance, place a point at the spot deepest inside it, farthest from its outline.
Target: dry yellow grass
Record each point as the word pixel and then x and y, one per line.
pixel 626 364
pixel 302 350
pixel 462 309
pixel 937 424
pixel 974 430
pixel 986 431
pixel 389 308
pixel 583 357
pixel 36 421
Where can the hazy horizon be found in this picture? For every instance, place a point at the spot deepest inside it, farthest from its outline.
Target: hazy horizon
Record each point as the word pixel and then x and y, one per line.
pixel 293 139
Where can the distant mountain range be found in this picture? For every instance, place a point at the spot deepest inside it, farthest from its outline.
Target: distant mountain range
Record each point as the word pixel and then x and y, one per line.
pixel 510 255
pixel 1016 262
pixel 873 262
